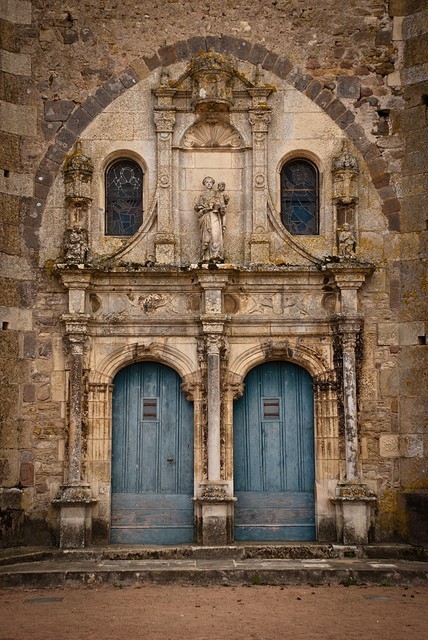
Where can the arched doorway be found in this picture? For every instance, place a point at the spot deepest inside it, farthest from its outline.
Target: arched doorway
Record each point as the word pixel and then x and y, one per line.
pixel 152 457
pixel 274 469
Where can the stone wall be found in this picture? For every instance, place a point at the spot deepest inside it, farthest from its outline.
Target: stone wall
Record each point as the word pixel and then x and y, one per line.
pixel 61 67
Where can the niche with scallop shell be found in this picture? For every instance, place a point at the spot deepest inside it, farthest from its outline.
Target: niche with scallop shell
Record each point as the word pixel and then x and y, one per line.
pixel 213 147
pixel 212 133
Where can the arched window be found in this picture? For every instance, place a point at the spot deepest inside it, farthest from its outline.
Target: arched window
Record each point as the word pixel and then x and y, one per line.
pixel 124 198
pixel 299 197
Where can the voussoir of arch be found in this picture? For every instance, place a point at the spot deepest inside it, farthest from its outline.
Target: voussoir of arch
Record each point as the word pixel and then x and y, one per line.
pixel 242 49
pixel 153 351
pixel 267 351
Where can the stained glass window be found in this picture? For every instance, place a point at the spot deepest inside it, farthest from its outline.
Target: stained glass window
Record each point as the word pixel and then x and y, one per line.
pixel 299 197
pixel 124 198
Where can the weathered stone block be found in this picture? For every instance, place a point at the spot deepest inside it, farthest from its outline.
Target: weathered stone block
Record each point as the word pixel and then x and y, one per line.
pixel 58 110
pixel 348 87
pixel 389 382
pixel 16 11
pixel 9 148
pixel 18 119
pixel 387 334
pixel 78 121
pixel 411 446
pixel 29 393
pixel 389 446
pixel 30 346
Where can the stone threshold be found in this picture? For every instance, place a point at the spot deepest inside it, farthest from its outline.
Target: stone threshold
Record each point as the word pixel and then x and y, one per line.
pixel 238 551
pixel 207 572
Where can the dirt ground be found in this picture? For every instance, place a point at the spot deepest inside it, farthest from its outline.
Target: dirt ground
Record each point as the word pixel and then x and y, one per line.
pixel 208 613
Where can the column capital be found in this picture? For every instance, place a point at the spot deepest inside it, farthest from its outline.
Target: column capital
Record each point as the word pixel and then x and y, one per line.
pixel 347 325
pixel 260 119
pixel 213 324
pixel 214 281
pixel 164 120
pixel 349 276
pixel 76 279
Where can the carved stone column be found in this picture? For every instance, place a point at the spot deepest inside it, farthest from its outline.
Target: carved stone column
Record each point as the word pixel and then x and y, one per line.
pixel 349 331
pixel 353 498
pixel 164 121
pixel 215 493
pixel 259 119
pixel 74 497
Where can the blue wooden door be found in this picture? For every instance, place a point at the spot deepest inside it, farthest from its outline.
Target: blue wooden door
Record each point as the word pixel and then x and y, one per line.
pixel 274 455
pixel 152 457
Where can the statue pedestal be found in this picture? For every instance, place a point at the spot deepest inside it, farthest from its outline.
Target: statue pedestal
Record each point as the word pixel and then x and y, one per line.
pixel 165 248
pixel 354 502
pixel 75 528
pixel 214 515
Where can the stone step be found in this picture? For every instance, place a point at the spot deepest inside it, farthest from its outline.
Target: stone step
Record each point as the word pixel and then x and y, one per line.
pixel 54 573
pixel 243 551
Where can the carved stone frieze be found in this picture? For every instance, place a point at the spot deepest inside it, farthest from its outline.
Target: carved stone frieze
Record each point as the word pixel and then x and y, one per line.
pixel 280 304
pixel 121 307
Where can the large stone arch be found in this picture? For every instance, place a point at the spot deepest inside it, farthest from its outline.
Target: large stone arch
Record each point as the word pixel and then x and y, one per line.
pixel 184 50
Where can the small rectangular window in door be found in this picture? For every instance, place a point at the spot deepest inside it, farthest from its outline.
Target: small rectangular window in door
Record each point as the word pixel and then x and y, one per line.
pixel 270 408
pixel 150 409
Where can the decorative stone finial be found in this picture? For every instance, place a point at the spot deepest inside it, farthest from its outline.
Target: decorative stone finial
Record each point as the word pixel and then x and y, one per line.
pixel 78 170
pixel 212 75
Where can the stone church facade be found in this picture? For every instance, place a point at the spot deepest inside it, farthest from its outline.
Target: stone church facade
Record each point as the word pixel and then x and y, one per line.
pixel 213 283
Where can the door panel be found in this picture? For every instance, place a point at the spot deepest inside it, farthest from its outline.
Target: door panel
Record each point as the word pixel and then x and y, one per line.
pixel 152 457
pixel 274 455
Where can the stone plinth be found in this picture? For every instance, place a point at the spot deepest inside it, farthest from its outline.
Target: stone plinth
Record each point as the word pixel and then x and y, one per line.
pixel 75 519
pixel 214 515
pixel 354 502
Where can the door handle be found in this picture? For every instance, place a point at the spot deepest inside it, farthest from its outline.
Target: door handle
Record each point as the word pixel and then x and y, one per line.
pixel 170 460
